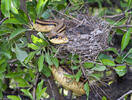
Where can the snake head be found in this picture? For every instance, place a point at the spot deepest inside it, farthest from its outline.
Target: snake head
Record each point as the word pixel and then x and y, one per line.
pixel 59 39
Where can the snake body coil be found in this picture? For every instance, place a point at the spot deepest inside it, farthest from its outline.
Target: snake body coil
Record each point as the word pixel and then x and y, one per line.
pixel 71 84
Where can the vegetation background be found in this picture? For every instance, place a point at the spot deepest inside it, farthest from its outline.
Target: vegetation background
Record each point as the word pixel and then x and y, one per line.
pixel 26 56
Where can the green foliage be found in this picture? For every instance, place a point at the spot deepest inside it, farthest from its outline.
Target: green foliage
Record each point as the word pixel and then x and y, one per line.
pixel 121 70
pixel 129 3
pixel 104 98
pixel 6 7
pixel 13 97
pixel 27 93
pixel 113 50
pixel 38 41
pixel 41 62
pixel 88 65
pixel 98 67
pixel 78 75
pixel 20 59
pixel 55 61
pixel 108 62
pixel 16 32
pixel 126 39
pixel 41 5
pixel 13 21
pixel 40 91
pixel 48 59
pixel 86 88
pixel 46 71
pixel 20 54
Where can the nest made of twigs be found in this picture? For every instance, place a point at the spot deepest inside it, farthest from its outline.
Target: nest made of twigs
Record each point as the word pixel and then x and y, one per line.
pixel 87 39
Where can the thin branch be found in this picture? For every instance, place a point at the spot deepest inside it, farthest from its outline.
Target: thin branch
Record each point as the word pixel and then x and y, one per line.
pixel 118 15
pixel 121 98
pixel 53 94
pixel 34 86
pixel 122 26
pixel 69 16
pixel 114 16
pixel 12 61
pixel 3 20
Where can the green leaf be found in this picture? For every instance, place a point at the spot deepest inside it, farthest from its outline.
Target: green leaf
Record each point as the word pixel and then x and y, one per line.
pixel 70 76
pixel 126 39
pixel 55 61
pixel 128 60
pixel 97 76
pixel 104 56
pixel 12 21
pixel 21 82
pixel 86 88
pixel 130 51
pixel 29 57
pixel 113 50
pixel 39 89
pixel 16 3
pixel 40 7
pixel 61 5
pixel 104 98
pixel 1 94
pixel 20 54
pixel 46 71
pixel 2 60
pixel 3 66
pixel 17 32
pixel 121 70
pixel 119 59
pixel 38 41
pixel 46 14
pixel 26 92
pixel 48 59
pixel 13 97
pixel 21 17
pixel 14 74
pixel 78 75
pixel 88 65
pixel 1 83
pixel 33 46
pixel 74 67
pixel 99 3
pixel 41 62
pixel 129 3
pixel 13 8
pixel 5 7
pixel 31 10
pixel 108 62
pixel 99 68
pixel 119 31
pixel 41 93
pixel 6 54
pixel 2 76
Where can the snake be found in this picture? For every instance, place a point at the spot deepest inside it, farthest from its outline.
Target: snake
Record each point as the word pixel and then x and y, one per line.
pixel 56 29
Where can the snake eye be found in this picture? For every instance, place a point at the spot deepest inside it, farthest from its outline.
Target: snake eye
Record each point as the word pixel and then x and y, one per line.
pixel 56 36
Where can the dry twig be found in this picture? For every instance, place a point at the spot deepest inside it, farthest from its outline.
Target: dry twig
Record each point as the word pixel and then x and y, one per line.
pixel 122 97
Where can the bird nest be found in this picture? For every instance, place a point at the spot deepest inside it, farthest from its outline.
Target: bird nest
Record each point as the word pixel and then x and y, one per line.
pixel 86 39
